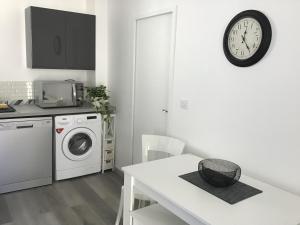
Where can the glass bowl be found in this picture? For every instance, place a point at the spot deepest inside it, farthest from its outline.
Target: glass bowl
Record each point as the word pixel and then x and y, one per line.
pixel 219 172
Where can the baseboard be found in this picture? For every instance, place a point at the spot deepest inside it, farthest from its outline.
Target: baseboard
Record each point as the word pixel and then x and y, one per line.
pixel 25 185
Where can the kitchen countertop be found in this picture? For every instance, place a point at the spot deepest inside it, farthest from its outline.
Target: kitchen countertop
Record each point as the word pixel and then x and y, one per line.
pixel 25 111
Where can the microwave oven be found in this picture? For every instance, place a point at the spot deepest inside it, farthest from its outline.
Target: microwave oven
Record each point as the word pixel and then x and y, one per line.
pixel 57 94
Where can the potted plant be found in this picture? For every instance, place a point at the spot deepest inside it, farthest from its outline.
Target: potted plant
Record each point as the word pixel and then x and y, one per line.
pixel 98 97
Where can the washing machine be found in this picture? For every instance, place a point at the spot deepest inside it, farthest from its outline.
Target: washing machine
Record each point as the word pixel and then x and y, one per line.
pixel 77 145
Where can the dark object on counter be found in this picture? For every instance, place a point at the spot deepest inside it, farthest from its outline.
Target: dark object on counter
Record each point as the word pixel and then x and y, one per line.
pixel 218 172
pixel 7 109
pixel 18 102
pixel 30 101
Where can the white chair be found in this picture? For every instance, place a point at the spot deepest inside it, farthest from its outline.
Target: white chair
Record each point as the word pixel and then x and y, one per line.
pixel 158 144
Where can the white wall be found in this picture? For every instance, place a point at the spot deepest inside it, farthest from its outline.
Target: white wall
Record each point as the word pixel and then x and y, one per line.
pixel 101 41
pixel 99 8
pixel 247 115
pixel 13 47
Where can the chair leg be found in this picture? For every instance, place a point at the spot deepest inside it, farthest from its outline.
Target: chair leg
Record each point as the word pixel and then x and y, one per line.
pixel 120 211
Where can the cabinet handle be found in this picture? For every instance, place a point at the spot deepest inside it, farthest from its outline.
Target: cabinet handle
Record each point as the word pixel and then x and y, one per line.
pixel 25 127
pixel 57 45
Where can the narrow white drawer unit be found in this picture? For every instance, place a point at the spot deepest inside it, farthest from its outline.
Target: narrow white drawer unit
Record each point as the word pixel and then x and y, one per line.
pixel 108 154
pixel 108 144
pixel 107 165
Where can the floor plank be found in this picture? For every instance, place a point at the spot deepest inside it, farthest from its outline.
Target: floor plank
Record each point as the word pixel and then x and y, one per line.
pixel 107 189
pixel 48 219
pixel 67 216
pixel 69 194
pixel 96 203
pixel 89 200
pixel 87 215
pixel 19 209
pixel 5 216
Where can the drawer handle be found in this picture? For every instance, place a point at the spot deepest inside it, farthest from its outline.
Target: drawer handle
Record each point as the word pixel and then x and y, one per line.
pixel 25 127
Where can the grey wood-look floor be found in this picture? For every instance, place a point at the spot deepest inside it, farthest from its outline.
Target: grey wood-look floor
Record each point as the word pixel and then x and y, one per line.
pixel 89 200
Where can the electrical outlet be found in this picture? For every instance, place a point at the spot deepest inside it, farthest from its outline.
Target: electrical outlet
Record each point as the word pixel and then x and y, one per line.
pixel 184 104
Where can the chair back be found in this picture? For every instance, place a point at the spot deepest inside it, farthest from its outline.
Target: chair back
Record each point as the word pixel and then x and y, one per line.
pixel 157 143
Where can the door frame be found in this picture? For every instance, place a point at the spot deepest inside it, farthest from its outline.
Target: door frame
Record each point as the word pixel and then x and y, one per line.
pixel 173 12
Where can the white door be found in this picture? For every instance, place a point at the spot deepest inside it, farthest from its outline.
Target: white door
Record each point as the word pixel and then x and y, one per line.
pixel 154 48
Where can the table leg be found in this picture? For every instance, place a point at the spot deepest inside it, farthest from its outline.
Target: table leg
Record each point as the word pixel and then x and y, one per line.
pixel 128 199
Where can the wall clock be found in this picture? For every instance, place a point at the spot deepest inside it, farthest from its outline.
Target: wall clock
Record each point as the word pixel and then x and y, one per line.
pixel 247 38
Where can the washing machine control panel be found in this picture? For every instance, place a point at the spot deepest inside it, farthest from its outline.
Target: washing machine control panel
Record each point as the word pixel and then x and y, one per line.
pixel 86 119
pixel 71 120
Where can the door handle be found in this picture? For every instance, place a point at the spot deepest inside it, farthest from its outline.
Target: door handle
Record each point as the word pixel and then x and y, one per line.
pixel 165 111
pixel 74 97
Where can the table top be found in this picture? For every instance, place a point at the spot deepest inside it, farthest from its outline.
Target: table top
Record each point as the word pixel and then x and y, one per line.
pixel 273 207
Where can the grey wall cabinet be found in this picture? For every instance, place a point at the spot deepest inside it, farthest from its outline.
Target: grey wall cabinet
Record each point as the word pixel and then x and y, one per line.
pixel 80 51
pixel 59 40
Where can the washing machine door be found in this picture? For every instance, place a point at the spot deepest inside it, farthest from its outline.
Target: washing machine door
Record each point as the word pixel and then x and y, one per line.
pixel 79 143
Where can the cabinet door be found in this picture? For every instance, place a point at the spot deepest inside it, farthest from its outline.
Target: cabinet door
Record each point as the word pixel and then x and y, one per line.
pixel 48 38
pixel 80 41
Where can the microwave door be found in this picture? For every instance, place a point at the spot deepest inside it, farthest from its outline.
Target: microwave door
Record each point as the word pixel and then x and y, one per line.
pixel 57 94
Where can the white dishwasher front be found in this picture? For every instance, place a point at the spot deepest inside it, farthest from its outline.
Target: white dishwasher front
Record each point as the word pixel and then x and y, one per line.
pixel 25 153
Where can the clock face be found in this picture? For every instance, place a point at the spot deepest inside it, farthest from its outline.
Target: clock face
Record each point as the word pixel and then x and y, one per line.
pixel 244 38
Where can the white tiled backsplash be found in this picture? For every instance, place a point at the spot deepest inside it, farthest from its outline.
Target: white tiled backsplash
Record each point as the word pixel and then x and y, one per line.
pixel 16 90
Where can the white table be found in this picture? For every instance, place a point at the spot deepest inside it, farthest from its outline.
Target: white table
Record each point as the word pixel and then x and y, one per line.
pixel 159 180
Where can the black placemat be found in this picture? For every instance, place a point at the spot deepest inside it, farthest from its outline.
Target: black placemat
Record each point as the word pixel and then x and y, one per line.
pixel 232 194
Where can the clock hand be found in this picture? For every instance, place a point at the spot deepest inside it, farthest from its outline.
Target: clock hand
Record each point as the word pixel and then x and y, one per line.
pixel 245 31
pixel 247 47
pixel 244 41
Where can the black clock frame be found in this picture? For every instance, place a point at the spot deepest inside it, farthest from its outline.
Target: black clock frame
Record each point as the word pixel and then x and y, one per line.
pixel 265 42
